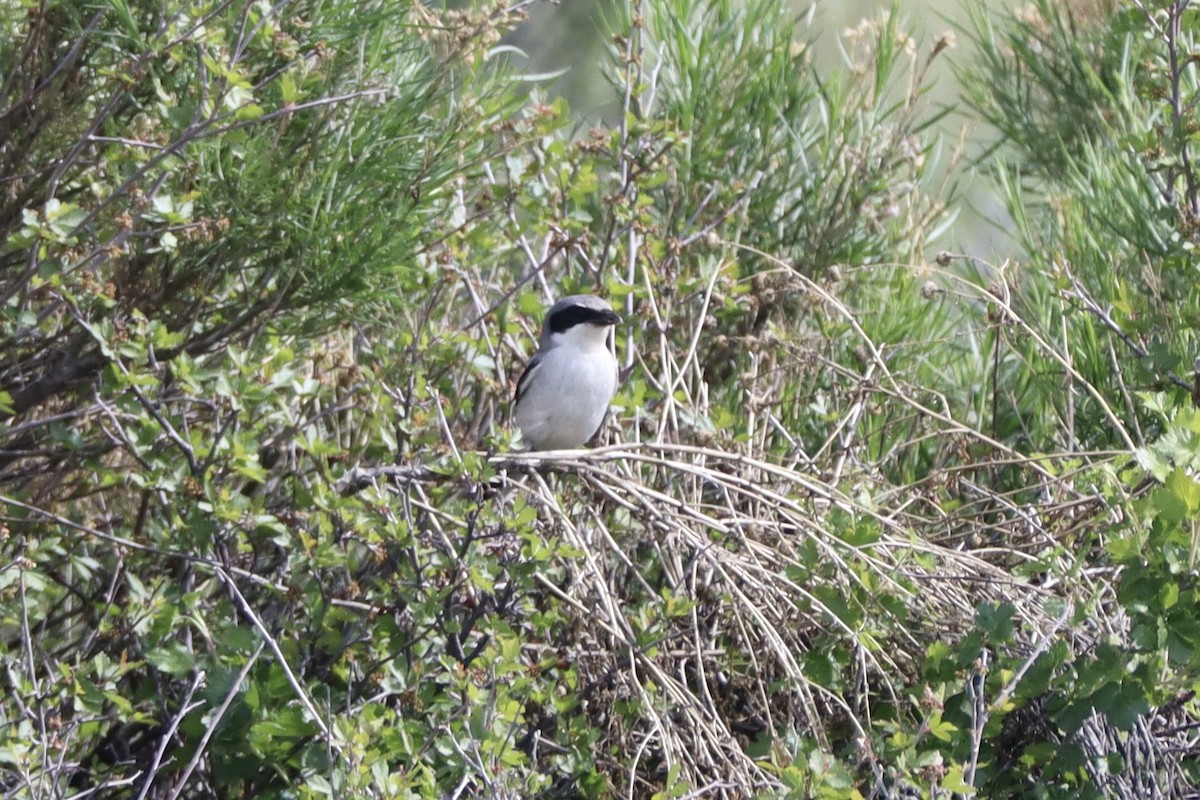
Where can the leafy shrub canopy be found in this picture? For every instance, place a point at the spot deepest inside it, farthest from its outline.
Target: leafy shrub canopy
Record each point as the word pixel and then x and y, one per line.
pixel 866 522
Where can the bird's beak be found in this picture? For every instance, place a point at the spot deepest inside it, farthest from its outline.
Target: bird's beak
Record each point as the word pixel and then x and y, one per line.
pixel 609 317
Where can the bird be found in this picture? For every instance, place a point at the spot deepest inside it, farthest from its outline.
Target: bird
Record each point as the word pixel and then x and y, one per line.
pixel 564 392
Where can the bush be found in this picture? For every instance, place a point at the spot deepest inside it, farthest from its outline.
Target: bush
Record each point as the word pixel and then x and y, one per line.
pixel 271 271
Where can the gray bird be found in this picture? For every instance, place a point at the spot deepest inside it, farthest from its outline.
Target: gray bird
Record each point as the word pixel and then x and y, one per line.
pixel 564 392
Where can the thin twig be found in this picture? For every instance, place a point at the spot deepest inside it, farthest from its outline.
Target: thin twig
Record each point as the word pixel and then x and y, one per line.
pixel 185 708
pixel 214 722
pixel 297 687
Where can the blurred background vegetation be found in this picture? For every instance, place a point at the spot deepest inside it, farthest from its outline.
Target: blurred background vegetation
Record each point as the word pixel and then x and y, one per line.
pixel 570 37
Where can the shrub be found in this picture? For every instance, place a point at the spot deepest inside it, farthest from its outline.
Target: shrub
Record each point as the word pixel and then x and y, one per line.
pixel 271 276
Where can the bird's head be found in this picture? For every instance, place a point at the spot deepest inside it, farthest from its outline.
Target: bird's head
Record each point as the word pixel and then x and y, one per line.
pixel 581 319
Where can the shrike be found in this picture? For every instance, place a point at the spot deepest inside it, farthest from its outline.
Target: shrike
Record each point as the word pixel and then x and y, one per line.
pixel 564 392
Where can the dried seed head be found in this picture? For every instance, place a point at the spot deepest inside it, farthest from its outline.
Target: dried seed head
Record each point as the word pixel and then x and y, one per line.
pixel 947 41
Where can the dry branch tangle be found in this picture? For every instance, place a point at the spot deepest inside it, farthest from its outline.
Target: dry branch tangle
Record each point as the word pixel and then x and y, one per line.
pixel 760 553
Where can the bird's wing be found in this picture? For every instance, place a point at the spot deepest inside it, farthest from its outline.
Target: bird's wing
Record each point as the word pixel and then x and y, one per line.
pixel 523 381
pixel 607 411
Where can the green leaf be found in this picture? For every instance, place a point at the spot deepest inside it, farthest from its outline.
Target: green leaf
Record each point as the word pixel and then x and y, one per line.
pixel 943 730
pixel 250 111
pixel 953 781
pixel 1123 703
pixel 287 89
pixel 1169 504
pixel 171 658
pixel 995 619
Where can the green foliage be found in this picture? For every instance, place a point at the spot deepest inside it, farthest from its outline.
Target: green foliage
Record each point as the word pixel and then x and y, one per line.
pixel 879 527
pixel 209 168
pixel 1096 170
pixel 832 162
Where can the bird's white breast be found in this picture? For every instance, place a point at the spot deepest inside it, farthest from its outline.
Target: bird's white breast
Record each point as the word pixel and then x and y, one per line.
pixel 568 394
